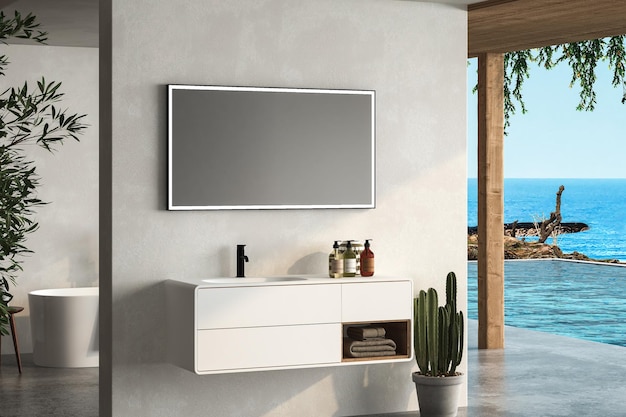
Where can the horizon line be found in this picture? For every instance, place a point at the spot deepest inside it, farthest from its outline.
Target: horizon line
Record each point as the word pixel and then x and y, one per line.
pixel 557 178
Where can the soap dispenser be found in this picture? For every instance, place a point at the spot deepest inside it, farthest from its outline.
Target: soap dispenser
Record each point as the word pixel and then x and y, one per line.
pixel 349 261
pixel 367 260
pixel 335 262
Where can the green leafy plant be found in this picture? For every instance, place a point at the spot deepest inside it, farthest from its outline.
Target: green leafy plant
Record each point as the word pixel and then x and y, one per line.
pixel 21 28
pixel 439 331
pixel 582 57
pixel 26 116
pixel 18 183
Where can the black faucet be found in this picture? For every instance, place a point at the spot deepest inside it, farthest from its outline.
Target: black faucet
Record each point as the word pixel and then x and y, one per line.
pixel 241 258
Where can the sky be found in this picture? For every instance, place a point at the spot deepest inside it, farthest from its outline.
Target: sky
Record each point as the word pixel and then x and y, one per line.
pixel 553 139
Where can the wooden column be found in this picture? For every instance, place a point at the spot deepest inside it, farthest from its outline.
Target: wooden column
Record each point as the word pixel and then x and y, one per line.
pixel 490 201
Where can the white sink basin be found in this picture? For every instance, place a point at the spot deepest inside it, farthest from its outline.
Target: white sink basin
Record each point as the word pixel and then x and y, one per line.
pixel 250 280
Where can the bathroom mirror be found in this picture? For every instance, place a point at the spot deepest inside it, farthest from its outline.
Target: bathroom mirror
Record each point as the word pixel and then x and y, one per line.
pixel 270 148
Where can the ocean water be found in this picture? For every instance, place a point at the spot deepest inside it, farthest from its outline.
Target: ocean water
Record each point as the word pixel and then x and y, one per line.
pixel 600 203
pixel 575 299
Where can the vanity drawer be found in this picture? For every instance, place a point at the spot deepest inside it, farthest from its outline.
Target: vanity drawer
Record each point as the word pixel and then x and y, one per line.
pixel 376 301
pixel 252 348
pixel 222 308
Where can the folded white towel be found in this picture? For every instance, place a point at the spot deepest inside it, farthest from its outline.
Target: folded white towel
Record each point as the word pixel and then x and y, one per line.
pixel 369 348
pixel 369 332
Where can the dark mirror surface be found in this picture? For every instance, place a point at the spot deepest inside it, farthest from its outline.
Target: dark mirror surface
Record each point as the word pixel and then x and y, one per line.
pixel 250 148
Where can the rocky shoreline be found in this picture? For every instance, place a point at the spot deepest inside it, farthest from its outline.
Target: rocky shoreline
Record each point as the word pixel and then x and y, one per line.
pixel 515 248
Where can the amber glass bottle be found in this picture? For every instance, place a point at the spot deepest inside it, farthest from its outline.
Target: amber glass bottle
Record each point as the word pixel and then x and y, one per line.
pixel 367 261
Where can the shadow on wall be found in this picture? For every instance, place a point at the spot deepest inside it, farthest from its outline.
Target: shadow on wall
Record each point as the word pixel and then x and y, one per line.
pixel 140 319
pixel 313 262
pixel 68 261
pixel 85 261
pixel 374 388
pixel 256 394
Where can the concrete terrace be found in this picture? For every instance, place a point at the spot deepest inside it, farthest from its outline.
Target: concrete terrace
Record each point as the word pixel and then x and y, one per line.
pixel 540 374
pixel 537 374
pixel 543 375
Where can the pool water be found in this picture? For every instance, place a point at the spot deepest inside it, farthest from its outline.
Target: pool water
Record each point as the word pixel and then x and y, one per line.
pixel 576 299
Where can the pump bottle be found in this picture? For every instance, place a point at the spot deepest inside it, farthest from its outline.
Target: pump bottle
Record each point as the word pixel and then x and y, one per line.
pixel 349 261
pixel 367 261
pixel 335 262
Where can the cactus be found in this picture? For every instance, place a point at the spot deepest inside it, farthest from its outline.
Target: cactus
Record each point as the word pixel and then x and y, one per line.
pixel 438 331
pixel 419 331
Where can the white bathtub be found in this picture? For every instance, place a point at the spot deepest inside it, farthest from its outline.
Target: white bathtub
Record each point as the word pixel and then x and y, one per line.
pixel 64 325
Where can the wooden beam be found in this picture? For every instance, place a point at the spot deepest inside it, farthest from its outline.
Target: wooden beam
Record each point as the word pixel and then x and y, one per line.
pixel 490 201
pixel 513 25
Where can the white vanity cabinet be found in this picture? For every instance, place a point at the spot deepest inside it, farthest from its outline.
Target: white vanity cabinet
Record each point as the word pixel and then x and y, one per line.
pixel 239 327
pixel 266 326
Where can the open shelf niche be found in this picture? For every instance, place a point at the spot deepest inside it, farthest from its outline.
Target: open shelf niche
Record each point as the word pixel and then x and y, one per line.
pixel 398 331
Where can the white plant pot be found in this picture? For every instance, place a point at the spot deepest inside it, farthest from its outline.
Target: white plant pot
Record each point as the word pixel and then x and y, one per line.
pixel 438 396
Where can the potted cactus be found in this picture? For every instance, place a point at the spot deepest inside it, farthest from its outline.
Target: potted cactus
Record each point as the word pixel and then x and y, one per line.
pixel 438 341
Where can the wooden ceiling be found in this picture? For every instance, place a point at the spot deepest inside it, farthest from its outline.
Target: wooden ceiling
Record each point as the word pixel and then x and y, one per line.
pixel 512 25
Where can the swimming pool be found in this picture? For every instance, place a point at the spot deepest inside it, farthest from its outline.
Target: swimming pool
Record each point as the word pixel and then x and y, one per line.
pixel 576 299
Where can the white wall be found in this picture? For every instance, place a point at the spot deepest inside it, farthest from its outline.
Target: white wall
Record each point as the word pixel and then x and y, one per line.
pixel 66 244
pixel 412 53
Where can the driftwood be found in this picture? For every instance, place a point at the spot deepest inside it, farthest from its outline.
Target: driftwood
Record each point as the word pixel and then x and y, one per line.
pixel 513 230
pixel 524 229
pixel 547 227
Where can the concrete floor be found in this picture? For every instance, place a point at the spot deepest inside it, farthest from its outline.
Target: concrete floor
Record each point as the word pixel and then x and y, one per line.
pixel 537 375
pixel 40 391
pixel 543 375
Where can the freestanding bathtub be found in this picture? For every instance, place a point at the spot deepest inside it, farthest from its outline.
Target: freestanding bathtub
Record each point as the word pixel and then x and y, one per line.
pixel 64 325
